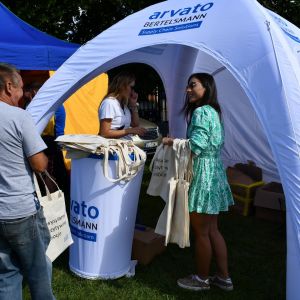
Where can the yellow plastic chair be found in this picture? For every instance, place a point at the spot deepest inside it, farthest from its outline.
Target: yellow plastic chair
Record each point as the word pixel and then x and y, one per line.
pixel 245 194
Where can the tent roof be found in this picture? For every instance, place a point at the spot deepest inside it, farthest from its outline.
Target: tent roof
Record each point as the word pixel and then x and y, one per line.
pixel 28 48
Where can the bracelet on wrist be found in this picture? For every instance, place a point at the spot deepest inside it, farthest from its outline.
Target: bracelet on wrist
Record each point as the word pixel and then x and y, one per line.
pixel 133 108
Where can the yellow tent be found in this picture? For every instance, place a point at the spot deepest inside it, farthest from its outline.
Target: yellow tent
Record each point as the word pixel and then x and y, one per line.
pixel 82 108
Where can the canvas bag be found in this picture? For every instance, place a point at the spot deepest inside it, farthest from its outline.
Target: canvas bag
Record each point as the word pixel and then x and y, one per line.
pixel 180 228
pixel 83 142
pixel 127 168
pixel 162 168
pixel 163 225
pixel 82 145
pixel 56 217
pixel 174 222
pixel 180 220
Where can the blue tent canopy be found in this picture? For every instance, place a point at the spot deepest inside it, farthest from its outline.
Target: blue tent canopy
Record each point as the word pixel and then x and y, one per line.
pixel 28 48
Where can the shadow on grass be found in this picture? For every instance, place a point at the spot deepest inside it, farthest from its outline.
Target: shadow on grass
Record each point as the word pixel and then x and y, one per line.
pixel 256 248
pixel 256 263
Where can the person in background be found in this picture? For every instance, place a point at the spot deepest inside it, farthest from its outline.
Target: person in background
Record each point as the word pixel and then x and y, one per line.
pixel 55 127
pixel 30 91
pixel 209 192
pixel 118 112
pixel 24 235
pixel 56 166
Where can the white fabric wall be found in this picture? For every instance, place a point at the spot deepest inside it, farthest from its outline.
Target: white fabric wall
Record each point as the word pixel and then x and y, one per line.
pixel 245 138
pixel 287 140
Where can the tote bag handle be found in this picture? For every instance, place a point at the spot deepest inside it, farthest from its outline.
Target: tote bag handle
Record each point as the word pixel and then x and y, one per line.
pixel 37 187
pixel 119 171
pixel 127 168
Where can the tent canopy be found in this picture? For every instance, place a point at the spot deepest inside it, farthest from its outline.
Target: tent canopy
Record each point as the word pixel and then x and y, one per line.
pixel 254 57
pixel 28 48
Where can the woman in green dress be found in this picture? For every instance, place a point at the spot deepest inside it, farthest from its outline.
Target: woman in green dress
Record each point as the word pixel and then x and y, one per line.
pixel 209 191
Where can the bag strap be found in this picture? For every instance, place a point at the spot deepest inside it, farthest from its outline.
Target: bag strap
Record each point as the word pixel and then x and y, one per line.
pixel 177 148
pixel 158 149
pixel 123 169
pixel 121 173
pixel 51 178
pixel 182 158
pixel 139 158
pixel 126 167
pixel 105 165
pixel 37 187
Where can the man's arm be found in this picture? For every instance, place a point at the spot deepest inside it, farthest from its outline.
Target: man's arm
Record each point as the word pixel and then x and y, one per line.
pixel 38 162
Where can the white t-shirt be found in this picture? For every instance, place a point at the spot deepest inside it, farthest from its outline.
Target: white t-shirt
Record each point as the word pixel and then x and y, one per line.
pixel 111 108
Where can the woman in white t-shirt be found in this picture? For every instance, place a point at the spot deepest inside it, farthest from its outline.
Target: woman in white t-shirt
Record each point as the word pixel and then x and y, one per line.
pixel 118 112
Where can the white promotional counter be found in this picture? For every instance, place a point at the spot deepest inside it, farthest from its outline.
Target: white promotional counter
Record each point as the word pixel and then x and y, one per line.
pixel 102 219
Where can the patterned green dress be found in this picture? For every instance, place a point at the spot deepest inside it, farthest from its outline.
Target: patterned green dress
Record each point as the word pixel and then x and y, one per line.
pixel 209 191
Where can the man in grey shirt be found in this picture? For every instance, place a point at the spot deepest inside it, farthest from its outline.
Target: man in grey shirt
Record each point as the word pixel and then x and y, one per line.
pixel 24 235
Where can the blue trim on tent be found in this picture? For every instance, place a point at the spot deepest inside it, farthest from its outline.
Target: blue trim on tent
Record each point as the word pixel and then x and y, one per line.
pixel 28 48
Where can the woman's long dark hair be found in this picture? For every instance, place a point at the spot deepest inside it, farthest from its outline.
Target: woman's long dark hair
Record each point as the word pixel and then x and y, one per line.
pixel 209 98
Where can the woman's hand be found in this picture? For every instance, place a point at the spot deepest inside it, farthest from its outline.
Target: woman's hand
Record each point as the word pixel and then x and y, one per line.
pixel 132 101
pixel 167 141
pixel 137 130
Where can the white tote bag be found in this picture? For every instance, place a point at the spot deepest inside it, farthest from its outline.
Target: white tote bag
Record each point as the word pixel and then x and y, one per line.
pixel 180 222
pixel 180 227
pixel 174 221
pixel 127 167
pixel 56 217
pixel 81 145
pixel 163 226
pixel 163 169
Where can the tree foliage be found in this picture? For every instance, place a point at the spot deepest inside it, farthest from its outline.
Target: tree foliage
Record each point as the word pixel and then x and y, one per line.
pixel 288 9
pixel 81 20
pixel 76 21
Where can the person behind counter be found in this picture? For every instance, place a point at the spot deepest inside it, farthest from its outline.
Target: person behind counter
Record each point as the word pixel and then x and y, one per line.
pixel 118 112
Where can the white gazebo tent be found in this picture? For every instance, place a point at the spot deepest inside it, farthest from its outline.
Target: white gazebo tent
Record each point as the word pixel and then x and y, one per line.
pixel 254 56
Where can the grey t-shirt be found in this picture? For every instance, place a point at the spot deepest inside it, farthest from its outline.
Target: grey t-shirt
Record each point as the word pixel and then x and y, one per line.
pixel 19 139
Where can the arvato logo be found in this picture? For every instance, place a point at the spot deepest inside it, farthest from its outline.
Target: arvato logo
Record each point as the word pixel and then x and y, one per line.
pixel 176 19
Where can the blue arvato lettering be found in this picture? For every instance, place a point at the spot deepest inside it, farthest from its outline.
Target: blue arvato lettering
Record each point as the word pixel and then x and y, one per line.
pixel 84 210
pixel 181 11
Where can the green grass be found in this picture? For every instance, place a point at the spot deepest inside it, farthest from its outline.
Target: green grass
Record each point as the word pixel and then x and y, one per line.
pixel 257 251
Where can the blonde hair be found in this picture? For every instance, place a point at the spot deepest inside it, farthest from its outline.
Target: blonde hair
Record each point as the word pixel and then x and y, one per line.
pixel 118 84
